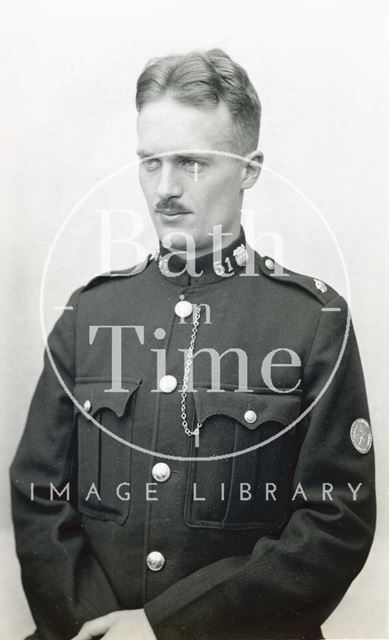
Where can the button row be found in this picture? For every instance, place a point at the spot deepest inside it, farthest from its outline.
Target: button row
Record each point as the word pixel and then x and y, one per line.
pixel 155 559
pixel 168 383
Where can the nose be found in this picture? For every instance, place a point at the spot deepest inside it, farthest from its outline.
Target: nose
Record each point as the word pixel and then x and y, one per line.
pixel 168 185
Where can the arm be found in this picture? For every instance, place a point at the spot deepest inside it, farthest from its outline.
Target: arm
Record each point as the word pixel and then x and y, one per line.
pixel 291 584
pixel 63 581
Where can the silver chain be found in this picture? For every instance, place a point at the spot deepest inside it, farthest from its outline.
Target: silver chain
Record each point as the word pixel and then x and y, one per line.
pixel 187 368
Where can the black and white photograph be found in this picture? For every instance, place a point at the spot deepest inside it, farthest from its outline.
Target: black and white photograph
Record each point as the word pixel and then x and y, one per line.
pixel 195 277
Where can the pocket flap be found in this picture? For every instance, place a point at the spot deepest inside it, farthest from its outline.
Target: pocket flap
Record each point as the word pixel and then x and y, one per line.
pixel 93 396
pixel 250 409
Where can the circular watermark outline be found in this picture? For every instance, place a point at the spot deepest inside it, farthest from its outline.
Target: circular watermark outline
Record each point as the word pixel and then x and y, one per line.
pixel 331 376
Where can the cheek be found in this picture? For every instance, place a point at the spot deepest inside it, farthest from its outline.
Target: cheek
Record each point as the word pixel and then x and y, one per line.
pixel 146 183
pixel 221 188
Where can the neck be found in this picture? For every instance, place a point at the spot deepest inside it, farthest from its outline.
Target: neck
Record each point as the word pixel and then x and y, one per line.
pixel 220 240
pixel 219 243
pixel 223 259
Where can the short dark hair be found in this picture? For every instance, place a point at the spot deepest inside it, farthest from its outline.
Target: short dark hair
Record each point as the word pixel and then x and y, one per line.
pixel 205 78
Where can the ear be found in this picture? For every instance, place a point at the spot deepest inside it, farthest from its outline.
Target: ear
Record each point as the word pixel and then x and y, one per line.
pixel 252 169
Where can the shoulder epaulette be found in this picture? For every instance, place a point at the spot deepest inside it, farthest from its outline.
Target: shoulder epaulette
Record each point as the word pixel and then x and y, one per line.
pixel 321 290
pixel 119 273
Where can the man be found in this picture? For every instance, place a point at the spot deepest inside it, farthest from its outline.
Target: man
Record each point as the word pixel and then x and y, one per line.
pixel 206 411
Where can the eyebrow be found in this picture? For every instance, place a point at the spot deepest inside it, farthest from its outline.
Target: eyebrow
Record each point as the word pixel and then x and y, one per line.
pixel 143 154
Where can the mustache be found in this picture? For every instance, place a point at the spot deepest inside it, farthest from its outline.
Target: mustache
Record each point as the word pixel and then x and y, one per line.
pixel 171 206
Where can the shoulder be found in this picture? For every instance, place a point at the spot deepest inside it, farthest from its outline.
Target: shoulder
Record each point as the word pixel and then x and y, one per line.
pixel 111 276
pixel 310 286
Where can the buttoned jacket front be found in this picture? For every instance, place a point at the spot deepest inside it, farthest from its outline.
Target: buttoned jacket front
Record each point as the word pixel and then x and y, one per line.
pixel 237 557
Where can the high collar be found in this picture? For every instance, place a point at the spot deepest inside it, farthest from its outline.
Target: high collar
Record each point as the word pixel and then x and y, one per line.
pixel 206 269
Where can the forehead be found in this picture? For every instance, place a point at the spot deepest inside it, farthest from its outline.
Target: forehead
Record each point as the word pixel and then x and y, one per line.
pixel 167 124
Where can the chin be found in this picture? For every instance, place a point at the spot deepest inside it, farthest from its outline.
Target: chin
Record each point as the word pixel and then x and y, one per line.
pixel 175 238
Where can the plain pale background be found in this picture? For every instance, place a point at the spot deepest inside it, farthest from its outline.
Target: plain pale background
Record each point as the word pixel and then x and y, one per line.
pixel 68 121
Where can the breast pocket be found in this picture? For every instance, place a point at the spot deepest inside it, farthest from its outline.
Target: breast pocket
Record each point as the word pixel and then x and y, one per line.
pixel 251 489
pixel 103 462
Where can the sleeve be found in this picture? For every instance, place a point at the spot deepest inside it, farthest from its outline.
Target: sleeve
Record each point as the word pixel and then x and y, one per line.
pixel 63 581
pixel 290 584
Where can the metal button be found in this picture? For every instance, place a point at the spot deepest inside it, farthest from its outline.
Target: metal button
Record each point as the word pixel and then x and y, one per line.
pixel 167 384
pixel 250 416
pixel 155 561
pixel 183 309
pixel 161 472
pixel 319 284
pixel 269 264
pixel 87 405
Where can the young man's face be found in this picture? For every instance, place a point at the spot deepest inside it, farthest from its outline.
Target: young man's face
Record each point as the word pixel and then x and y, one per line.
pixel 189 191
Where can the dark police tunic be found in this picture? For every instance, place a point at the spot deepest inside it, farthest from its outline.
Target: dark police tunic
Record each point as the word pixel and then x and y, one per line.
pixel 258 545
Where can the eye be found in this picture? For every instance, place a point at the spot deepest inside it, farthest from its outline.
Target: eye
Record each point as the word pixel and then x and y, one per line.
pixel 189 163
pixel 151 163
pixel 193 166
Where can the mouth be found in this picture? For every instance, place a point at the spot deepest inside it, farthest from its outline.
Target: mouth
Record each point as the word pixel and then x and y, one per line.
pixel 171 212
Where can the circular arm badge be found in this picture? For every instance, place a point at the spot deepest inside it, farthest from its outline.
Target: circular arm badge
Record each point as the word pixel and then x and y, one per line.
pixel 361 435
